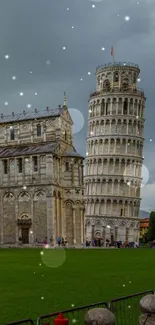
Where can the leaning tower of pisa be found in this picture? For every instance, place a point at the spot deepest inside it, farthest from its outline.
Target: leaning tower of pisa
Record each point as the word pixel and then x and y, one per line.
pixel 114 154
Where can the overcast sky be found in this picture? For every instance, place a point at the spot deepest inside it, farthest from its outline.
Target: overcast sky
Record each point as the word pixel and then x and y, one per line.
pixel 33 34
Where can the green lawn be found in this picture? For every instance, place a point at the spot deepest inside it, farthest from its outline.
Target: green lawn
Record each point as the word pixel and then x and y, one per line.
pixel 85 277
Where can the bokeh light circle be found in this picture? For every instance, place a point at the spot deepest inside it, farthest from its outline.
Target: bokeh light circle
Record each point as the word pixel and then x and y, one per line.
pixel 78 120
pixel 52 257
pixel 129 177
pixel 145 175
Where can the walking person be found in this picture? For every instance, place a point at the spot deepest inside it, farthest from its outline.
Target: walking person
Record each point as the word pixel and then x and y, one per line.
pixel 59 241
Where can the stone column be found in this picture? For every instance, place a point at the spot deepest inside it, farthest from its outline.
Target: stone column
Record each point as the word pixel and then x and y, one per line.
pixel 50 221
pixel 127 234
pixel 82 226
pixel 58 217
pixel 116 233
pixel 74 227
pixel 16 217
pixel 147 306
pixel 99 316
pixel 63 221
pixel 104 235
pixel 92 233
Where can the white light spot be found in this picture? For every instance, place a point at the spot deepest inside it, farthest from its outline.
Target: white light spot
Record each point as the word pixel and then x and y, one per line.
pixel 21 94
pixel 145 175
pixel 103 48
pixel 31 232
pixel 7 56
pixel 129 307
pixel 48 62
pixel 36 94
pixel 78 120
pixel 30 72
pixel 150 140
pixel 123 285
pixel 42 298
pixel 6 103
pixel 138 79
pixel 13 77
pixel 72 27
pixel 64 48
pixel 42 275
pixel 11 127
pixel 89 73
pixel 137 2
pixel 91 133
pixel 108 226
pixel 34 272
pixel 127 18
pixel 67 9
pixel 90 110
pixel 41 253
pixel 86 153
pixel 40 264
pixel 24 187
pixel 72 305
pixel 28 105
pixel 74 320
pixel 117 15
pixel 128 183
pixel 129 281
pixel 81 79
pixel 93 6
pixel 137 117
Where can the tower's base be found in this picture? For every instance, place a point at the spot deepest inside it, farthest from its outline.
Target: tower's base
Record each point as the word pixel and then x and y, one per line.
pixel 112 228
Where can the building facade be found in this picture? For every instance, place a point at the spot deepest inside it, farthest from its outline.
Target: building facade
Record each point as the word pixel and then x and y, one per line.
pixel 41 178
pixel 114 154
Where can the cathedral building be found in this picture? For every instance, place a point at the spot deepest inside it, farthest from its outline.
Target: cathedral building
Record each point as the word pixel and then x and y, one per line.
pixel 114 154
pixel 41 178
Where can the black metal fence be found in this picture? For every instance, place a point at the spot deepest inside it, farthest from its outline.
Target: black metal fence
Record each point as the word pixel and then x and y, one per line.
pixel 75 315
pixel 126 309
pixel 23 322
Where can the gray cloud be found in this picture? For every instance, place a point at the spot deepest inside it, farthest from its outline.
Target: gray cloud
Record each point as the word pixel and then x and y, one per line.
pixel 33 32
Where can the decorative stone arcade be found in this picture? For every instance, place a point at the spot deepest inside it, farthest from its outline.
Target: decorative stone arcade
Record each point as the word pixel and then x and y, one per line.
pixel 114 154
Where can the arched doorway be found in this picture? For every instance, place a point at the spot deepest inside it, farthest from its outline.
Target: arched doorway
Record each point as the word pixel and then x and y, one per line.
pixel 24 223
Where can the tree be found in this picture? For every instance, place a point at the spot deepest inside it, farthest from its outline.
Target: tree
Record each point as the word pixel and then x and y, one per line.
pixel 151 229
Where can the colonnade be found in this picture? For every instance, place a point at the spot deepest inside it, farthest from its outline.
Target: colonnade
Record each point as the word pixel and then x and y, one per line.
pixel 112 207
pixel 113 166
pixel 116 106
pixel 116 126
pixel 112 145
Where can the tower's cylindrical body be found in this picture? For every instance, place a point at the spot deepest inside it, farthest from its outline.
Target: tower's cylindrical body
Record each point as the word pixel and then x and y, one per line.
pixel 114 154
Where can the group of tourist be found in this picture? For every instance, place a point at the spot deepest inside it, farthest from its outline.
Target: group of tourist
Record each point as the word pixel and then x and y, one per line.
pixel 118 244
pixel 60 241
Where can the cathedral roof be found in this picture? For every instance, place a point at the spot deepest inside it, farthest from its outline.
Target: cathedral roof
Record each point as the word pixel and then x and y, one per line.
pixel 28 150
pixel 49 112
pixel 72 153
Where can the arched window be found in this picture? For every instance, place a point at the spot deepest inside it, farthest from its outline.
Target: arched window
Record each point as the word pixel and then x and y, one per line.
pixel 116 77
pixel 106 85
pixel 125 107
pixel 134 78
pixel 38 130
pixel 67 166
pixel 65 136
pixel 12 133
